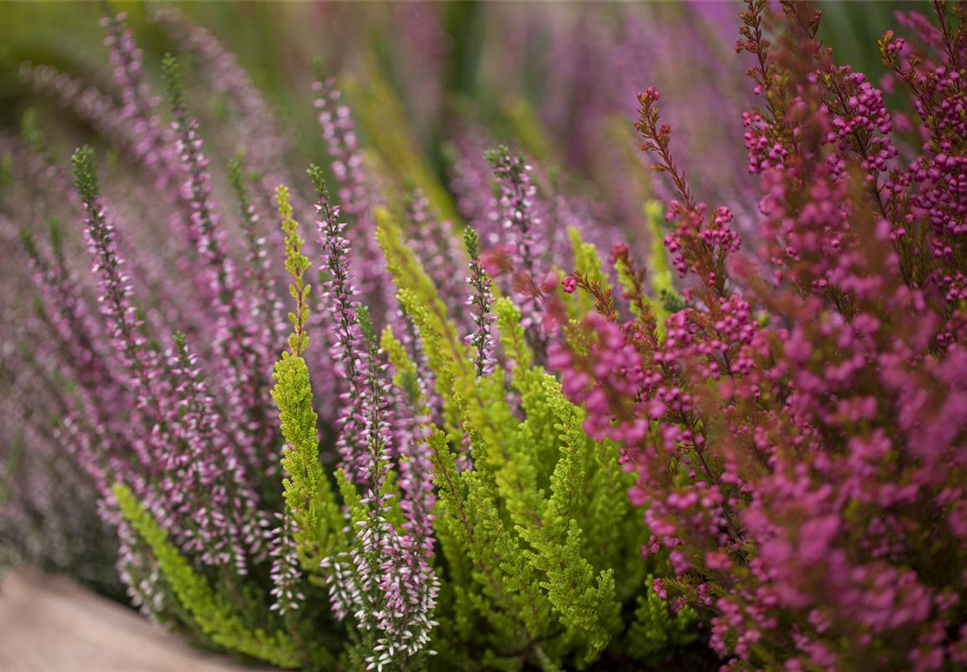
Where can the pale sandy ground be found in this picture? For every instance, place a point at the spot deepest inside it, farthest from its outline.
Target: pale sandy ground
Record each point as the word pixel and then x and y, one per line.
pixel 49 624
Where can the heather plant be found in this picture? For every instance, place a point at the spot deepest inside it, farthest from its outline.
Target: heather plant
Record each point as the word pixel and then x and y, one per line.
pixel 797 426
pixel 391 481
pixel 475 442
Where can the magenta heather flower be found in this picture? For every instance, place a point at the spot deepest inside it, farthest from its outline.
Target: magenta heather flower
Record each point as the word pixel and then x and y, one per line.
pixel 794 441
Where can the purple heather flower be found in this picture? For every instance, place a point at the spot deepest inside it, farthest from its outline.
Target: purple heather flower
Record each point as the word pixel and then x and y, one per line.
pixel 259 132
pixel 472 183
pixel 342 303
pixel 189 475
pixel 517 212
pixel 244 368
pixel 480 339
pixel 153 146
pixel 385 580
pixel 437 247
pixel 355 195
pixel 225 509
pixel 266 305
pixel 395 586
pixel 265 143
pixel 141 368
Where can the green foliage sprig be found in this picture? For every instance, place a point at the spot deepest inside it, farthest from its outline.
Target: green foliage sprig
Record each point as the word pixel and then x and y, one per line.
pixel 308 495
pixel 210 612
pixel 533 536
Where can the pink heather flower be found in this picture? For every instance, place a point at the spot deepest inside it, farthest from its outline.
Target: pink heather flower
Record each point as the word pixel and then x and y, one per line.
pixel 153 146
pixel 342 302
pixel 355 196
pixel 244 367
pixel 516 210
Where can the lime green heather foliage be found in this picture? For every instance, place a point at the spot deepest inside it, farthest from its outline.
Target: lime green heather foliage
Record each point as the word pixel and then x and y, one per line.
pixel 659 271
pixel 296 265
pixel 307 492
pixel 541 547
pixel 308 495
pixel 210 612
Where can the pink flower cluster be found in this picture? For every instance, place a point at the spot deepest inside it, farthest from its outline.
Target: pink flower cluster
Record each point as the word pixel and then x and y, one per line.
pixel 183 465
pixel 799 440
pixel 385 580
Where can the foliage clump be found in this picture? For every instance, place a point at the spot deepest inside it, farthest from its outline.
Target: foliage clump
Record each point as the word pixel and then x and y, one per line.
pixel 482 442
